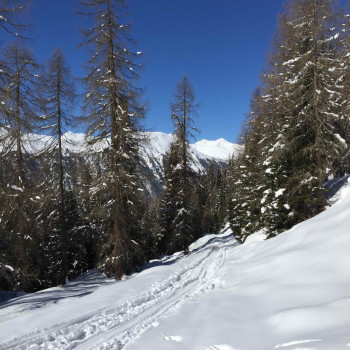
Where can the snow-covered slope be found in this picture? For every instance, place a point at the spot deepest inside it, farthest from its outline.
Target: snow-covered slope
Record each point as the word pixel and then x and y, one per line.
pixel 153 148
pixel 291 292
pixel 203 152
pixel 219 149
pixel 155 145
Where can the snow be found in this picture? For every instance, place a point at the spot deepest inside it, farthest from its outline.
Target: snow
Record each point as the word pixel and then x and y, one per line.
pixel 280 192
pixel 290 292
pixel 219 149
pixel 153 147
pixel 155 144
pixel 341 140
pixel 92 318
pixel 9 267
pixel 16 188
pixel 291 61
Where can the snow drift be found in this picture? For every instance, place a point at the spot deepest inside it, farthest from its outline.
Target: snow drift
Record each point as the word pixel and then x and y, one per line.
pixel 290 292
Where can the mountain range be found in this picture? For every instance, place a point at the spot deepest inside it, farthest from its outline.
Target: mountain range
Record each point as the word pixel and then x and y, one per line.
pixel 152 150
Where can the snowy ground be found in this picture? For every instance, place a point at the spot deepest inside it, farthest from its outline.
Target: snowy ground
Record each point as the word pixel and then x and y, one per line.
pixel 291 293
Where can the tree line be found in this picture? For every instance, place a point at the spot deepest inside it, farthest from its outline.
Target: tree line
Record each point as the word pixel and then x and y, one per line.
pixel 62 214
pixel 296 133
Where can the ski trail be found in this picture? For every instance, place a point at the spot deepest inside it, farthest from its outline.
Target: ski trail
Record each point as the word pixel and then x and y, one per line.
pixel 113 328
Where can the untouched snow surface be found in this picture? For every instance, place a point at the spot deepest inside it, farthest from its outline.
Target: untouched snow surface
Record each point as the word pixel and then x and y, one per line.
pixel 291 292
pixel 219 149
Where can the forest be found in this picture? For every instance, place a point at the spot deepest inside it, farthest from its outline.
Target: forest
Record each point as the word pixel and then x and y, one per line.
pixel 64 213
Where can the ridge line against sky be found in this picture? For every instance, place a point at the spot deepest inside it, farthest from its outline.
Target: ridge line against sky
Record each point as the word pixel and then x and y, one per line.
pixel 220 44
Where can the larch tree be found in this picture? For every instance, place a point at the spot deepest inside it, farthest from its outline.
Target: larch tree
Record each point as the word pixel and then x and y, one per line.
pixel 183 111
pixel 10 24
pixel 19 115
pixel 114 112
pixel 10 10
pixel 58 97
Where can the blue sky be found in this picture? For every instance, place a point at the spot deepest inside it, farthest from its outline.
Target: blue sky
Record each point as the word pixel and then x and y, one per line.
pixel 220 44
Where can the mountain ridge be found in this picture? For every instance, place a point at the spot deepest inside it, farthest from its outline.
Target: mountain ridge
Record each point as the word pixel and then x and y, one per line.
pixel 77 142
pixel 152 150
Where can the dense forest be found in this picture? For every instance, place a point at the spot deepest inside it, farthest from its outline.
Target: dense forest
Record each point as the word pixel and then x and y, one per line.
pixel 62 213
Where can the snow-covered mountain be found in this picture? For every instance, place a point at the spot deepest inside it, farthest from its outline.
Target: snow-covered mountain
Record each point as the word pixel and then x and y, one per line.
pixel 290 292
pixel 203 152
pixel 155 145
pixel 153 149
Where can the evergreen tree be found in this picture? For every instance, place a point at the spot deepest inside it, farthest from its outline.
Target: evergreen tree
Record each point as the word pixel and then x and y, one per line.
pixel 300 110
pixel 114 113
pixel 180 178
pixel 9 13
pixel 309 92
pixel 341 165
pixel 19 116
pixel 220 202
pixel 246 173
pixel 58 96
pixel 169 242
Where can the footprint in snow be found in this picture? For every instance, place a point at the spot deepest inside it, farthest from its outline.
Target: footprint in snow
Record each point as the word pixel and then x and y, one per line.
pixel 297 342
pixel 176 338
pixel 217 347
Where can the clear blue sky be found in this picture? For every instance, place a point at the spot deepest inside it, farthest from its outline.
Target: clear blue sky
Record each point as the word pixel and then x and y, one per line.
pixel 220 44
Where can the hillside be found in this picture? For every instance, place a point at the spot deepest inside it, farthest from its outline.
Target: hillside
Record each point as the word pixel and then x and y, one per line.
pixel 152 150
pixel 290 292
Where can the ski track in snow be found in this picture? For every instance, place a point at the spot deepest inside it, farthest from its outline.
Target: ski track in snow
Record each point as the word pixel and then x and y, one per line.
pixel 113 328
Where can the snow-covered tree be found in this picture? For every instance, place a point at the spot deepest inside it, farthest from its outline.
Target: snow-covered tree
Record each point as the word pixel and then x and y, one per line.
pixel 246 172
pixel 113 114
pixel 301 110
pixel 183 110
pixel 310 93
pixel 57 97
pixel 19 116
pixel 10 10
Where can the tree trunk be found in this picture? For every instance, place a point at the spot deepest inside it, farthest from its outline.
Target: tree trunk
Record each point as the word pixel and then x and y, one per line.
pixel 315 107
pixel 20 179
pixel 185 179
pixel 118 263
pixel 62 212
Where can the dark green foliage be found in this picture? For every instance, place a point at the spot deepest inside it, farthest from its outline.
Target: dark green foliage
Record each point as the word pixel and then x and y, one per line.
pixel 113 113
pixel 79 250
pixel 296 129
pixel 178 216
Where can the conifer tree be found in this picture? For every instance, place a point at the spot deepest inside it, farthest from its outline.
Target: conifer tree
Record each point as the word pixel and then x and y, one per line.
pixel 114 114
pixel 246 174
pixel 301 108
pixel 180 222
pixel 207 189
pixel 342 128
pixel 19 116
pixel 58 96
pixel 307 61
pixel 220 202
pixel 169 241
pixel 9 12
